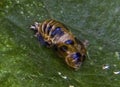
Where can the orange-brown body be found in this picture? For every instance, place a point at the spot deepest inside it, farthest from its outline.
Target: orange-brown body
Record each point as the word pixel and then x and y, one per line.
pixel 54 34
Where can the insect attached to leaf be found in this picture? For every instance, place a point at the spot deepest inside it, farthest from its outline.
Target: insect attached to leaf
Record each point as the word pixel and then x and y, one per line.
pixel 54 34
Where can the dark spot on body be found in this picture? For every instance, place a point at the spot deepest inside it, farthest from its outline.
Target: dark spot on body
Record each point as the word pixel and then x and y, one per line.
pixel 57 31
pixel 63 48
pixel 77 57
pixel 42 41
pixel 71 42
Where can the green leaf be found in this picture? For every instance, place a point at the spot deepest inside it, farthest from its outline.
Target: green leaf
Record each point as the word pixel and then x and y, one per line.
pixel 24 63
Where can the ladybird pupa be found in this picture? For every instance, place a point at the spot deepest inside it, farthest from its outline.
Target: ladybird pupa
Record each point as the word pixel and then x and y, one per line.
pixel 54 34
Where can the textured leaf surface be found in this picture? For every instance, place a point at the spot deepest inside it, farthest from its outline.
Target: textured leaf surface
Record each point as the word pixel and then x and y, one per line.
pixel 24 63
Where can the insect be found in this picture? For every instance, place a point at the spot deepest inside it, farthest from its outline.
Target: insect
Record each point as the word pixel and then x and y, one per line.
pixel 54 34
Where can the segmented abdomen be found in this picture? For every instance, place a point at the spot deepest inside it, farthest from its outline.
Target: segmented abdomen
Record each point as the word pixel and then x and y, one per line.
pixel 53 32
